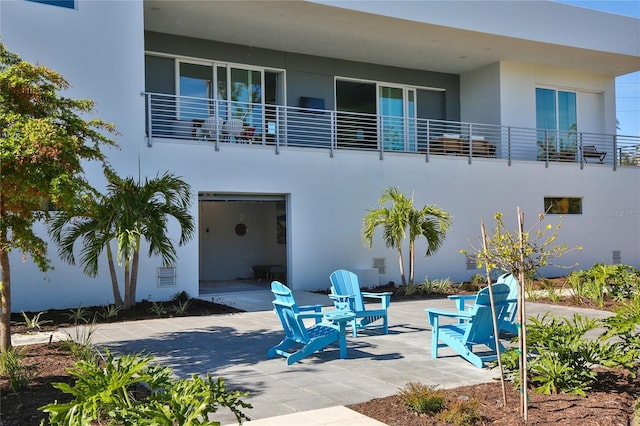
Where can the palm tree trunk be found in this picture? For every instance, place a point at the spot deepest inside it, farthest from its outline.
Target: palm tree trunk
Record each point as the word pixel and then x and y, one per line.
pixel 401 261
pixel 117 298
pixel 127 285
pixel 133 284
pixel 412 259
pixel 5 303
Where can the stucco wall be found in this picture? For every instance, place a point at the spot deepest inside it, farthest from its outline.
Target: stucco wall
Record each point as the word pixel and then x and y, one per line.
pixel 517 90
pixel 330 196
pixel 98 48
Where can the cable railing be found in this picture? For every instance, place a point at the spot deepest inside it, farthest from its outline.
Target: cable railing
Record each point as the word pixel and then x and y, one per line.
pixel 208 121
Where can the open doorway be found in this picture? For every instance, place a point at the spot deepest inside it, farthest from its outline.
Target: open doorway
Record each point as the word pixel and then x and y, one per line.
pixel 242 241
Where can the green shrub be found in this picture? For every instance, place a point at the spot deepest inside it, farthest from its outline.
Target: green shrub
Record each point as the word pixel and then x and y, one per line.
pixel 110 311
pixel 79 315
pixel 105 395
pixel 79 342
pixel 181 297
pixel 181 308
pixel 422 399
pixel 620 282
pixel 19 374
pixel 624 329
pixel 478 280
pixel 462 412
pixel 472 286
pixel 158 309
pixel 561 358
pixel 33 323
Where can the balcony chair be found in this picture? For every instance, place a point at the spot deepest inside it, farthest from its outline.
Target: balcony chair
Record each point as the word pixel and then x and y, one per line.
pixel 299 340
pixel 509 324
pixel 346 294
pixel 210 128
pixel 232 129
pixel 474 327
pixel 590 151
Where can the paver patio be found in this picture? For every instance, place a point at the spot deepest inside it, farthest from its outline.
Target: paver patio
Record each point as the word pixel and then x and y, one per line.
pixel 234 346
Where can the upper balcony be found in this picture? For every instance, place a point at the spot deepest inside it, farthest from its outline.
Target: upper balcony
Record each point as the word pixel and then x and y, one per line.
pixel 179 119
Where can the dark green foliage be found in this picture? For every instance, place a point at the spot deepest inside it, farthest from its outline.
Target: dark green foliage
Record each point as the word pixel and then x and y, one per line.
pixel 13 366
pixel 114 394
pixel 618 282
pixel 562 356
pixel 181 296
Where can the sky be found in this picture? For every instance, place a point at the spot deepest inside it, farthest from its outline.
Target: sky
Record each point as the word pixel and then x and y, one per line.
pixel 627 86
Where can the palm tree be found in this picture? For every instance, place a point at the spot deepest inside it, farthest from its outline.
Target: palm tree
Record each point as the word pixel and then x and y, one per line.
pixel 430 222
pixel 129 212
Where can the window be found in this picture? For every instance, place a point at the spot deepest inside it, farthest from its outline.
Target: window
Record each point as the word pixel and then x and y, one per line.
pixel 231 92
pixel 360 101
pixel 563 205
pixel 196 88
pixel 557 119
pixel 69 4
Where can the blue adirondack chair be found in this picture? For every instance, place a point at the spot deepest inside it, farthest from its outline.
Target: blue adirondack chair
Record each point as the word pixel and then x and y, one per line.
pixel 509 323
pixel 476 329
pixel 346 294
pixel 299 340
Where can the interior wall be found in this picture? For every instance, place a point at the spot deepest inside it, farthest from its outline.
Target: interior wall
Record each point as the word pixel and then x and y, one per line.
pixel 227 256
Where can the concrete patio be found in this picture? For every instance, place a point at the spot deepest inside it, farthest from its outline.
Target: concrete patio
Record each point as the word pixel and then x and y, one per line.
pixel 234 346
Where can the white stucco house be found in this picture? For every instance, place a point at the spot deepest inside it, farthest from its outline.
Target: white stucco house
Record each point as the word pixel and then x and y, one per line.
pixel 289 119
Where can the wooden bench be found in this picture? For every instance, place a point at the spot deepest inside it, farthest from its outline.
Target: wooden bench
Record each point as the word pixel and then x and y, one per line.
pixel 482 148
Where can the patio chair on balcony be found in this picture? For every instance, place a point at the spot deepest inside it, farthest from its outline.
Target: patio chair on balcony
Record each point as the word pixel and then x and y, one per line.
pixel 590 151
pixel 211 128
pixel 232 129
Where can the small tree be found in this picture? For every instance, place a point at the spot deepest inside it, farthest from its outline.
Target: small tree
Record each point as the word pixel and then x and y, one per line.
pixel 520 253
pixel 429 222
pixel 43 145
pixel 129 212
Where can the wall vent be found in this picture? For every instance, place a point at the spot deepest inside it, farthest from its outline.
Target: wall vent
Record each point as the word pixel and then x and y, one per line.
pixel 472 262
pixel 617 257
pixel 167 276
pixel 380 264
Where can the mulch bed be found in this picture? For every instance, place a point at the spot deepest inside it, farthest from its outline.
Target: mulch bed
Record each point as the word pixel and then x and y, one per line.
pixel 611 403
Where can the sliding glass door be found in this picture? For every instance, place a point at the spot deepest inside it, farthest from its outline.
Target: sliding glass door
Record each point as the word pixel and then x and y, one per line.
pixel 556 119
pixel 397 110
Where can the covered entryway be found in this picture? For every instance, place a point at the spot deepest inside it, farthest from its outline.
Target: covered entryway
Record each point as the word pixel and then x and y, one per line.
pixel 242 241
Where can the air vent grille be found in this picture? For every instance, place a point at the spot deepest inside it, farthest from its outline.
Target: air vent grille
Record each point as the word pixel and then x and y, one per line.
pixel 167 276
pixel 617 257
pixel 472 262
pixel 380 264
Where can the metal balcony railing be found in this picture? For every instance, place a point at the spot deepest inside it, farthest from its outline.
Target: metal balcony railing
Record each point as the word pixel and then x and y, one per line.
pixel 216 122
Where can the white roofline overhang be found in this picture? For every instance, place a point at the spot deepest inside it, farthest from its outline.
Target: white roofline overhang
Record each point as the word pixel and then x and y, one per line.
pixel 445 36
